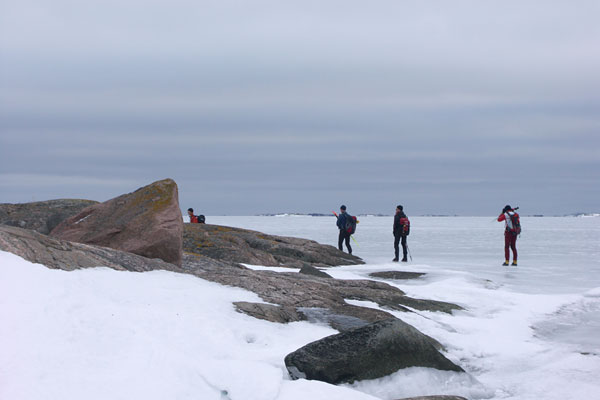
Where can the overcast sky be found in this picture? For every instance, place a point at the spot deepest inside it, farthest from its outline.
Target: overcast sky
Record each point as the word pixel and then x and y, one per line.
pixel 447 107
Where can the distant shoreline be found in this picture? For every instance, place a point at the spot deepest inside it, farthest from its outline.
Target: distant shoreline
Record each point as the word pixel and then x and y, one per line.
pixel 577 215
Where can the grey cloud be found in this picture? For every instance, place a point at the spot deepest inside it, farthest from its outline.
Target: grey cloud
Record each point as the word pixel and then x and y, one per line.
pixel 264 106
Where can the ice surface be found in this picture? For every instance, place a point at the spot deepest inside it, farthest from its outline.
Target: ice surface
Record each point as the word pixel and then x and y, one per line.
pixel 529 332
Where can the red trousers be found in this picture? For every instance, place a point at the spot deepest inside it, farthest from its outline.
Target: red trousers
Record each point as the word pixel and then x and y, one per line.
pixel 510 242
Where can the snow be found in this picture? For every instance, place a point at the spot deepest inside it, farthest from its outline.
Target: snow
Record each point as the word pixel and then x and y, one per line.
pixel 528 332
pixel 100 333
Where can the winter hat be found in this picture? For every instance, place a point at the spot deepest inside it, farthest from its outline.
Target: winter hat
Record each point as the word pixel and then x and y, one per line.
pixel 191 209
pixel 506 208
pixel 400 208
pixel 343 207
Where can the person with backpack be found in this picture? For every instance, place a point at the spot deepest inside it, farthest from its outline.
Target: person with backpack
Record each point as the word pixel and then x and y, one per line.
pixel 194 219
pixel 344 224
pixel 511 231
pixel 401 231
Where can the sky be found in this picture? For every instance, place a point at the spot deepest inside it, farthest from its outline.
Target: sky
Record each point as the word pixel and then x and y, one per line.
pixel 266 106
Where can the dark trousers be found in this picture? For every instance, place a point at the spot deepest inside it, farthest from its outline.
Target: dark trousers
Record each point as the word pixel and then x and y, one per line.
pixel 344 236
pixel 397 241
pixel 510 242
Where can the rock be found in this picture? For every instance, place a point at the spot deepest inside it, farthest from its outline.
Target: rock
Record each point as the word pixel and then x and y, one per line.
pixel 309 270
pixel 41 216
pixel 249 247
pixel 435 398
pixel 397 275
pixel 68 256
pixel 146 222
pixel 294 297
pixel 269 312
pixel 370 352
pixel 316 299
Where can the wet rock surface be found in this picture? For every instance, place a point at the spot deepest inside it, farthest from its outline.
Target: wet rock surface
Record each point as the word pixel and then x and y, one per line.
pixel 435 398
pixel 317 299
pixel 397 275
pixel 41 216
pixel 369 352
pixel 250 247
pixel 308 270
pixel 269 312
pixel 146 222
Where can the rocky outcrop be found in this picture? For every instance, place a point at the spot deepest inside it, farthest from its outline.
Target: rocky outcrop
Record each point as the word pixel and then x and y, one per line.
pixel 397 275
pixel 289 296
pixel 41 216
pixel 146 222
pixel 249 247
pixel 314 298
pixel 68 256
pixel 370 352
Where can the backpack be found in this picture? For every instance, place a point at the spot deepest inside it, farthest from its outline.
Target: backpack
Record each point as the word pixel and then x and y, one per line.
pixel 350 224
pixel 201 219
pixel 405 225
pixel 516 224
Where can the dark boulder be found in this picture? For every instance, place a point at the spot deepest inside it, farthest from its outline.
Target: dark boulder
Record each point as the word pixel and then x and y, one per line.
pixel 41 216
pixel 369 352
pixel 147 222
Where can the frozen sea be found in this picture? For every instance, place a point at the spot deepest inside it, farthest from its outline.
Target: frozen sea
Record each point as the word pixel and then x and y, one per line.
pixel 527 332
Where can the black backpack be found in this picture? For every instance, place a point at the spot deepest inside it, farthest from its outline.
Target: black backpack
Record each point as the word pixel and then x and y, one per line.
pixel 350 224
pixel 201 219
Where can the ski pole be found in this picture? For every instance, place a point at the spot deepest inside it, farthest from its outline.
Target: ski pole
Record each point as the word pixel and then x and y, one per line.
pixel 410 255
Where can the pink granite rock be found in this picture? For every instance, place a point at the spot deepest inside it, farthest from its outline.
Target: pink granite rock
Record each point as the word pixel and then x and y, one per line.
pixel 147 222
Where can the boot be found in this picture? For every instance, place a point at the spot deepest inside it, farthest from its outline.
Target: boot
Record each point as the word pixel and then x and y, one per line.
pixel 404 259
pixel 514 264
pixel 395 259
pixel 505 263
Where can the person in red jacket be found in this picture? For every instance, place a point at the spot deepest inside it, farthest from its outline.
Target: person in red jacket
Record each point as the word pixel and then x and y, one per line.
pixel 193 218
pixel 512 230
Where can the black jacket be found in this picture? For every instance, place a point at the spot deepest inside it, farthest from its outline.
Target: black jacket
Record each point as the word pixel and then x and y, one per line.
pixel 341 221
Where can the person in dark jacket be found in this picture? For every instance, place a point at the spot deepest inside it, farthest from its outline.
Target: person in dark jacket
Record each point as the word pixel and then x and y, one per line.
pixel 400 220
pixel 344 234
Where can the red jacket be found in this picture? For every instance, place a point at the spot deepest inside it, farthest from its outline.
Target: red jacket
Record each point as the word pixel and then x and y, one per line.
pixel 194 219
